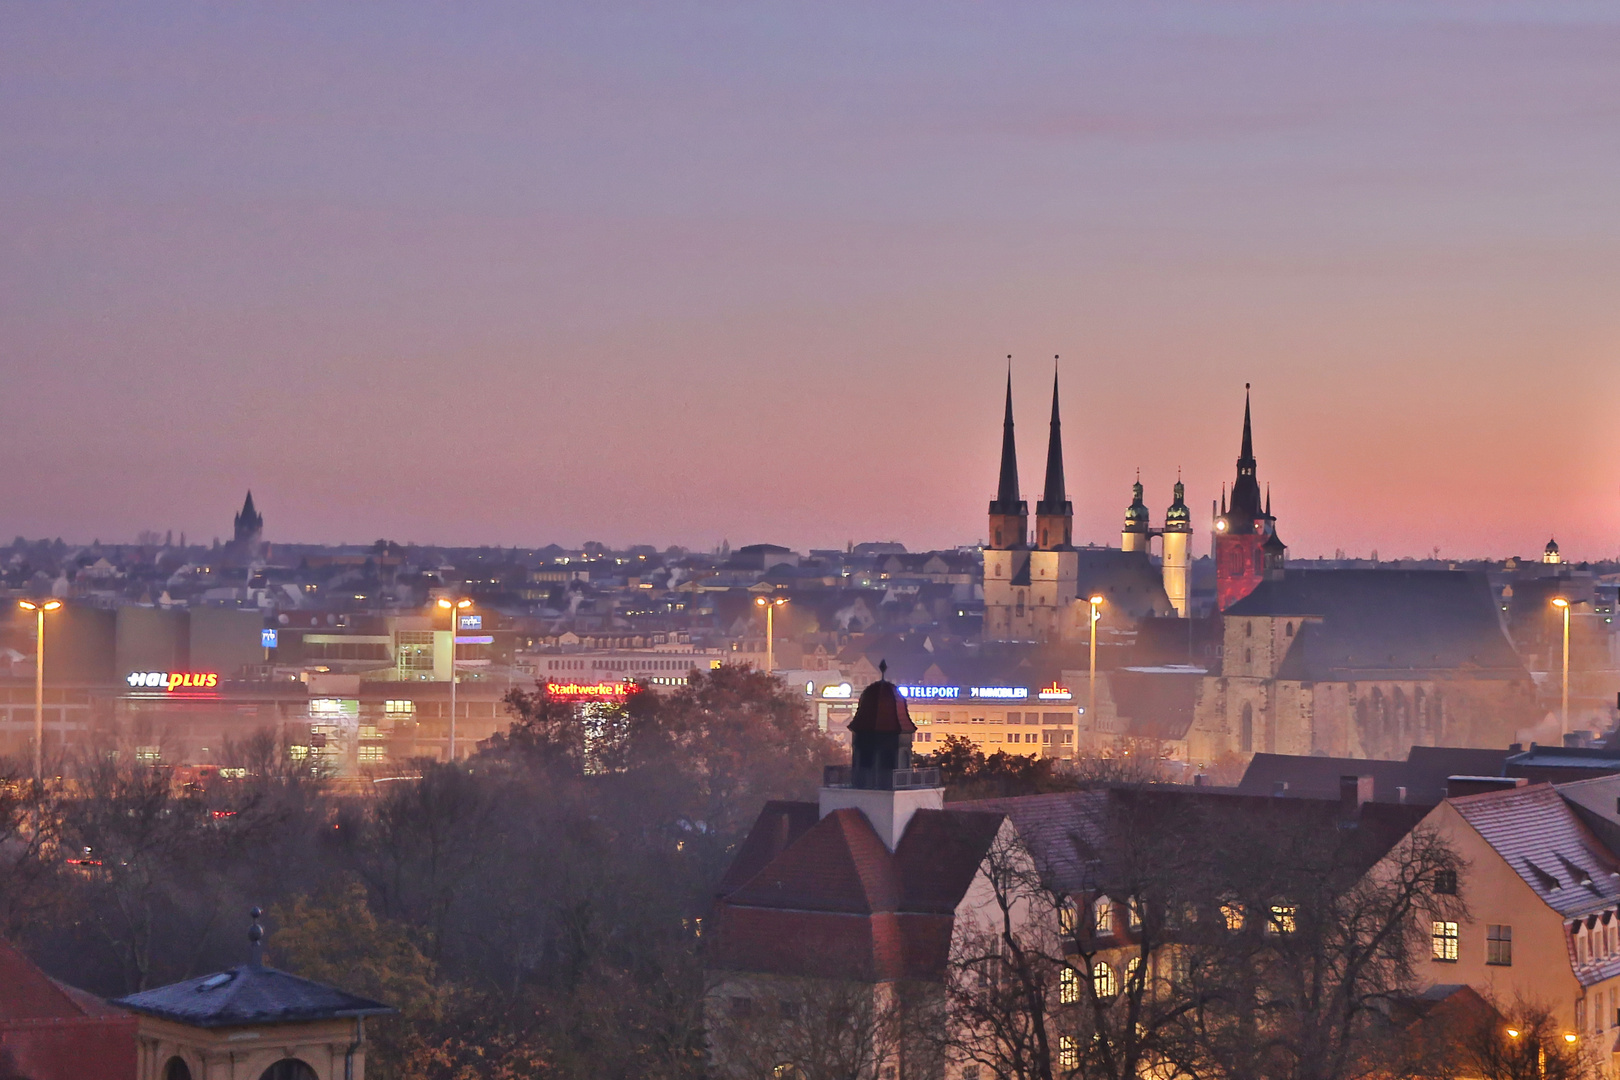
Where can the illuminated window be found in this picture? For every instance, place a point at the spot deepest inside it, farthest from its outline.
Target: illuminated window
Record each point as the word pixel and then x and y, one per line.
pixel 399 708
pixel 148 753
pixel 1134 914
pixel 1068 1052
pixel 1443 940
pixel 1066 917
pixel 1102 916
pixel 298 753
pixel 1104 983
pixel 1233 914
pixel 1499 945
pixel 1282 919
pixel 1131 969
pixel 371 755
pixel 1068 987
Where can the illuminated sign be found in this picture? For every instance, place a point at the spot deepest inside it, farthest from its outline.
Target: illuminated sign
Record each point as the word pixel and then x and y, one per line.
pixel 267 637
pixel 838 690
pixel 174 680
pixel 924 693
pixel 1056 693
pixel 1001 693
pixel 334 707
pixel 475 639
pixel 810 689
pixel 471 622
pixel 598 691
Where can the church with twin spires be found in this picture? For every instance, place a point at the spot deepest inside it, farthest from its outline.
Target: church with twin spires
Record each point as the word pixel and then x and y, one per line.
pixel 1037 584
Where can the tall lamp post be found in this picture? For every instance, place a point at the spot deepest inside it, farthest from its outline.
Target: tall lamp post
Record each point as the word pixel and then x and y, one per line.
pixel 39 611
pixel 455 608
pixel 770 605
pixel 1091 689
pixel 1562 604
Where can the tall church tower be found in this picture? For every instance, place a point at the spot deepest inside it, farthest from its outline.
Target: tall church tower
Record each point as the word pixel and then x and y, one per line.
pixel 1247 549
pixel 1178 551
pixel 1054 565
pixel 1006 556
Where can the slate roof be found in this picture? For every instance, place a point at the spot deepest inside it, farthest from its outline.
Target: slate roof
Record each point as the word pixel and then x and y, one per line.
pixel 1127 581
pixel 249 995
pixel 1433 623
pixel 1538 835
pixel 1069 832
pixel 1423 774
pixel 833 901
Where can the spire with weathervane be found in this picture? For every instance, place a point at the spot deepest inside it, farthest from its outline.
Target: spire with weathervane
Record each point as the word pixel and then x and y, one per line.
pixel 1054 514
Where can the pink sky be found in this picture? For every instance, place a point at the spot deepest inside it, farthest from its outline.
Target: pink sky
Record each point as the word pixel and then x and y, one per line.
pixel 675 273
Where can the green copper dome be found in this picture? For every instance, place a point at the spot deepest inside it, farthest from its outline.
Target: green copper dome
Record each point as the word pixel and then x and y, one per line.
pixel 1137 513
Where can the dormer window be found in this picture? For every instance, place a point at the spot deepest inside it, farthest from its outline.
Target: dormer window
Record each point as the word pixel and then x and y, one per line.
pixel 1102 916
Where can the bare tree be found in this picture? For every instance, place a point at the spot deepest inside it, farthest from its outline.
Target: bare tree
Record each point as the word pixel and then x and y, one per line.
pixel 809 1029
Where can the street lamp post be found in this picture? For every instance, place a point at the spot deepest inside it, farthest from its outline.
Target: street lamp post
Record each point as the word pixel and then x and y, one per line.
pixel 1091 687
pixel 39 611
pixel 455 608
pixel 1563 715
pixel 770 605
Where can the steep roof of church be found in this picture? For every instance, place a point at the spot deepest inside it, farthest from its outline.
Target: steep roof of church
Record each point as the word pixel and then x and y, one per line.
pixel 1433 621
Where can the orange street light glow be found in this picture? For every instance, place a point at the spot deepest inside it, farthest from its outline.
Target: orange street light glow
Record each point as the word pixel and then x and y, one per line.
pixel 1559 601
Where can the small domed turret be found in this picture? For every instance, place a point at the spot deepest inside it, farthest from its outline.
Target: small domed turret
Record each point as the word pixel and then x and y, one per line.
pixel 1550 553
pixel 1178 514
pixel 1137 513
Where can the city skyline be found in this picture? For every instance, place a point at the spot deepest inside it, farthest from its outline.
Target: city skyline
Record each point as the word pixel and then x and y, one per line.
pixel 521 276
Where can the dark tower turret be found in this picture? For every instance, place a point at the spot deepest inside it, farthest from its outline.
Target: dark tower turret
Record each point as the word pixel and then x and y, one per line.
pixel 880 736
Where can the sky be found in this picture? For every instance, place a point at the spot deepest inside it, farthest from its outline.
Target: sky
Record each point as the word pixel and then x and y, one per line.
pixel 677 273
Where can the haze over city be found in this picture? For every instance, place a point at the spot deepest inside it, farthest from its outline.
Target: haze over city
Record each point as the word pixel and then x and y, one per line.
pixel 673 274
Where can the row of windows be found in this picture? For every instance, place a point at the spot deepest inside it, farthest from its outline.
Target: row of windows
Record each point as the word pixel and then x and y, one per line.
pixel 1280 918
pixel 1445 937
pixel 1013 719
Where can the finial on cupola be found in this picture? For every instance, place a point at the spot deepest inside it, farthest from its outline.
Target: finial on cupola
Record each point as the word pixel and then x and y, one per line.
pixel 883 669
pixel 255 939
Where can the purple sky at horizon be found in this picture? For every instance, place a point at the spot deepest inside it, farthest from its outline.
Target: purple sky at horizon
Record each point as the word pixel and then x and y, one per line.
pixel 640 273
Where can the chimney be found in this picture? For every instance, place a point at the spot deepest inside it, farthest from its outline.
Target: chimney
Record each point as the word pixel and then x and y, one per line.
pixel 1200 780
pixel 1400 795
pixel 1279 788
pixel 1353 792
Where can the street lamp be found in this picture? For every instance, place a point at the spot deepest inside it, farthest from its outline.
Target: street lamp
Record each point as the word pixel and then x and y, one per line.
pixel 1563 605
pixel 454 607
pixel 770 605
pixel 1091 691
pixel 39 682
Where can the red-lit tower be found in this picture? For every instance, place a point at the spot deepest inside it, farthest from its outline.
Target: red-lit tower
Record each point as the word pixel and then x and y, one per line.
pixel 1247 549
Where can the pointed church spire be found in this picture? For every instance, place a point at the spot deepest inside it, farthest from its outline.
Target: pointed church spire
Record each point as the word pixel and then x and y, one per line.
pixel 1007 490
pixel 1247 453
pixel 1055 500
pixel 1009 514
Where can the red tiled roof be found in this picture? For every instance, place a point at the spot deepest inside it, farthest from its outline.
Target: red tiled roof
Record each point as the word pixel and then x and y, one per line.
pixel 27 993
pixel 780 822
pixel 838 865
pixel 49 1031
pixel 834 902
